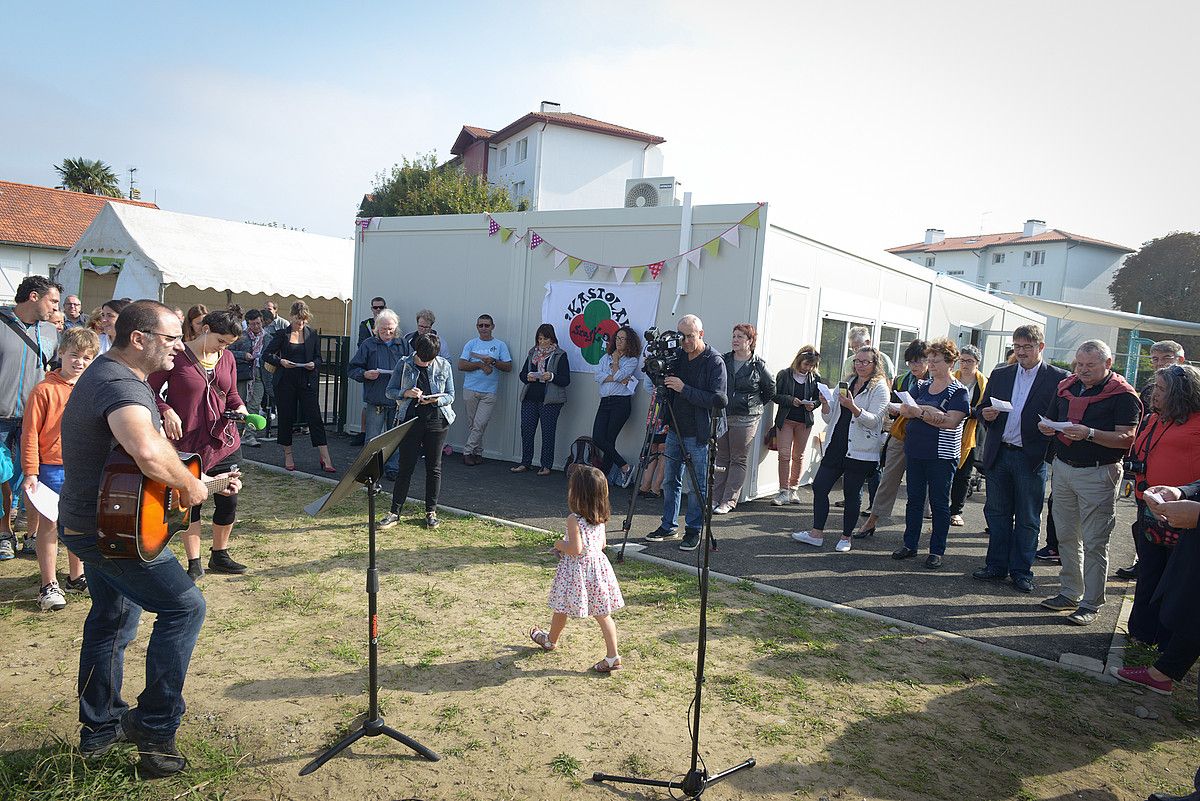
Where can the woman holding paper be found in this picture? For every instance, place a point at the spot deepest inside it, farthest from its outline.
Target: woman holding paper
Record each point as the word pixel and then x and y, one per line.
pixel 932 447
pixel 854 420
pixel 1167 451
pixel 975 383
pixel 423 386
pixel 616 375
pixel 796 396
pixel 295 352
pixel 545 376
pixel 372 367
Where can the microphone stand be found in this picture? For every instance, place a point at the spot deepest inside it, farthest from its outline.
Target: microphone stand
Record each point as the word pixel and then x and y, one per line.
pixel 697 778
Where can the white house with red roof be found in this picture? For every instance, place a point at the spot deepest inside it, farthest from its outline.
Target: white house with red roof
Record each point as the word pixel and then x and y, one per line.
pixel 1038 262
pixel 560 160
pixel 38 225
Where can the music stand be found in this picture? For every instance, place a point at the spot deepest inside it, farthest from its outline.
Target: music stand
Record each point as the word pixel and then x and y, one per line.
pixel 367 469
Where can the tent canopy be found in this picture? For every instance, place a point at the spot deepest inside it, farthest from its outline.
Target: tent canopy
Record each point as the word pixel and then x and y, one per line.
pixel 1098 316
pixel 153 247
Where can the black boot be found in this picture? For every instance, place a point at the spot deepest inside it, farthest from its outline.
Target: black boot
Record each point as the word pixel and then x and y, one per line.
pixel 195 570
pixel 157 758
pixel 221 562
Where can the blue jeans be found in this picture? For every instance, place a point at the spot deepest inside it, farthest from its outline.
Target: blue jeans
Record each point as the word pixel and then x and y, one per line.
pixel 932 477
pixel 120 590
pixel 1013 510
pixel 673 481
pixel 380 419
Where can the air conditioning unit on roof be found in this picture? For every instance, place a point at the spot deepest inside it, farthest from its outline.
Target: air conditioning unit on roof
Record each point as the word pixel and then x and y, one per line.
pixel 661 191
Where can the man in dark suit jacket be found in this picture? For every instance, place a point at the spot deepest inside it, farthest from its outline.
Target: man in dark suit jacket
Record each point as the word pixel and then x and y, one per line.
pixel 1014 458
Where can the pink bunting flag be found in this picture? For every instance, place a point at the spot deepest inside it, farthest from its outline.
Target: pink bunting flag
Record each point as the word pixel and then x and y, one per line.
pixel 656 268
pixel 534 240
pixel 363 225
pixel 493 226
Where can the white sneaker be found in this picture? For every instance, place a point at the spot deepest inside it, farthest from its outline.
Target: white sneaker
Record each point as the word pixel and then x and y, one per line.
pixel 723 509
pixel 808 539
pixel 843 545
pixel 782 499
pixel 388 520
pixel 51 599
pixel 794 496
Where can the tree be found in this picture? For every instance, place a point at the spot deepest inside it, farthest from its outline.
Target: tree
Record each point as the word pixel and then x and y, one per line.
pixel 1165 277
pixel 92 177
pixel 422 186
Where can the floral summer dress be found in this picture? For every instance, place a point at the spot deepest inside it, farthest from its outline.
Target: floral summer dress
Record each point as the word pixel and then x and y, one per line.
pixel 585 585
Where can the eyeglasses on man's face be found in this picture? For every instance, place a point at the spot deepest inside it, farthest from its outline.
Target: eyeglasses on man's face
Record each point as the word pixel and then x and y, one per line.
pixel 171 339
pixel 863 362
pixel 377 308
pixel 1028 348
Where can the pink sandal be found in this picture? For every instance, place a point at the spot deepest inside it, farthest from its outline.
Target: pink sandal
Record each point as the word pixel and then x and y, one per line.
pixel 542 639
pixel 603 667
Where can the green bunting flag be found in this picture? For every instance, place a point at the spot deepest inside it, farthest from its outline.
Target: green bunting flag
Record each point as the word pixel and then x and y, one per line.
pixel 505 233
pixel 712 247
pixel 751 219
pixel 573 264
pixel 638 274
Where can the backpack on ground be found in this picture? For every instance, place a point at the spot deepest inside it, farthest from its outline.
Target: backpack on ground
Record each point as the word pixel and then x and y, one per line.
pixel 585 451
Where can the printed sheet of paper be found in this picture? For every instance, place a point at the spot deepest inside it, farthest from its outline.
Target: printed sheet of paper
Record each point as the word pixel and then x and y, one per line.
pixel 906 398
pixel 1153 497
pixel 1054 425
pixel 827 393
pixel 1002 405
pixel 45 500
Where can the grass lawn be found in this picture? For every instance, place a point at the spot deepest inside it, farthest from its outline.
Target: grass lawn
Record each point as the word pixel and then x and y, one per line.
pixel 830 706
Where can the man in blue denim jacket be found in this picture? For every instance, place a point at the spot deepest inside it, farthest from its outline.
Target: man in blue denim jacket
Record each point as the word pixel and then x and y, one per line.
pixel 697 392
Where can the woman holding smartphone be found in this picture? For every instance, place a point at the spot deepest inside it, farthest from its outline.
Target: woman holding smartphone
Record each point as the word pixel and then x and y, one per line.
pixel 796 396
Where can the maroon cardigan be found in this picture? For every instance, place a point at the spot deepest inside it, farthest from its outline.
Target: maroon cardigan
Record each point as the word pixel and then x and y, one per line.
pixel 187 385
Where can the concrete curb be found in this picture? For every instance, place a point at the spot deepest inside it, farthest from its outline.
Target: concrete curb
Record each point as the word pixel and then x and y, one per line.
pixel 1116 650
pixel 808 600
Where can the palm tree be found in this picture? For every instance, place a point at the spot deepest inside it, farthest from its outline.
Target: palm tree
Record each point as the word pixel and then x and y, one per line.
pixel 92 177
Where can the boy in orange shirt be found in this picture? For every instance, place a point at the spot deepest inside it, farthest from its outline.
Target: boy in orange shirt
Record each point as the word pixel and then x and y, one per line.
pixel 42 457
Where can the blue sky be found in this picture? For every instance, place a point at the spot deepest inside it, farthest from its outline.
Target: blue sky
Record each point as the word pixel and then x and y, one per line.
pixel 859 121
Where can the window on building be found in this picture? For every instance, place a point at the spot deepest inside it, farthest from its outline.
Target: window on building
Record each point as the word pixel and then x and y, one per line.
pixel 504 157
pixel 930 261
pixel 1033 258
pixel 997 258
pixel 893 340
pixel 835 345
pixel 522 151
pixel 955 272
pixel 993 287
pixel 518 189
pixel 1033 288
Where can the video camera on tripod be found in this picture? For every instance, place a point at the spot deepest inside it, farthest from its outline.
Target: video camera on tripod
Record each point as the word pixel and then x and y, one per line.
pixel 664 354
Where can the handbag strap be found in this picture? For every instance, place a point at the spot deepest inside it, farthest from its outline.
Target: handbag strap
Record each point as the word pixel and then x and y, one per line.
pixel 11 322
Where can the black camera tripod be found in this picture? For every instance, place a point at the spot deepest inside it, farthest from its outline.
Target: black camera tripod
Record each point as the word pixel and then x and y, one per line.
pixel 697 779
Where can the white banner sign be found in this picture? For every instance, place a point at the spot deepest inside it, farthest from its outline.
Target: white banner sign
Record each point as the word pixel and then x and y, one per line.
pixel 583 313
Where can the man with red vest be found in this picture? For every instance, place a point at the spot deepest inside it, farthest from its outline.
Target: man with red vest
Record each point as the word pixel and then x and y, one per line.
pixel 1102 410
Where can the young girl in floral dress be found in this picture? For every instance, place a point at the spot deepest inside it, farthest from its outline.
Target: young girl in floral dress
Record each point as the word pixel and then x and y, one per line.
pixel 584 585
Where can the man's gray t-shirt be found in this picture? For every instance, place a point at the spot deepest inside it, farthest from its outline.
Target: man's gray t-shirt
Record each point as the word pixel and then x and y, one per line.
pixel 107 385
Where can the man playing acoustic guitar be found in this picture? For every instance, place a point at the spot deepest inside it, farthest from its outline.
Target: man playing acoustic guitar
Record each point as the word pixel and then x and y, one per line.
pixel 112 404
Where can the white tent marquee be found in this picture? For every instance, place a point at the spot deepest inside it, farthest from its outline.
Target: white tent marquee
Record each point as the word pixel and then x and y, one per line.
pixel 151 248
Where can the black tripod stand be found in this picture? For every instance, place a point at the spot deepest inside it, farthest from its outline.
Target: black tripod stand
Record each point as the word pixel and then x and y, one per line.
pixel 697 778
pixel 644 459
pixel 367 470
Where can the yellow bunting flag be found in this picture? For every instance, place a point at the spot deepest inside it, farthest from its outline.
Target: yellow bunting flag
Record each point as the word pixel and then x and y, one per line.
pixel 573 264
pixel 638 274
pixel 505 233
pixel 712 247
pixel 751 219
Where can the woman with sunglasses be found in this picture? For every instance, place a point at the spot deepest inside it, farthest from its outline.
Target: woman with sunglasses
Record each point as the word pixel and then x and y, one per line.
pixel 201 387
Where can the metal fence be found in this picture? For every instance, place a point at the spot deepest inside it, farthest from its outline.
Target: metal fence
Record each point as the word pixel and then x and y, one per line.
pixel 331 387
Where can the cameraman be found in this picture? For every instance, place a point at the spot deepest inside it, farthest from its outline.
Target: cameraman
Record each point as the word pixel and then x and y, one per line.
pixel 1166 453
pixel 697 392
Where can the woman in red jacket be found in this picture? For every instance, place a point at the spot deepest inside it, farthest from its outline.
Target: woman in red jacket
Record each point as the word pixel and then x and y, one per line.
pixel 201 387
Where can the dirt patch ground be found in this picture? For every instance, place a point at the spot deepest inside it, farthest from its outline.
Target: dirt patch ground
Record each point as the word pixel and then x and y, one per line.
pixel 830 706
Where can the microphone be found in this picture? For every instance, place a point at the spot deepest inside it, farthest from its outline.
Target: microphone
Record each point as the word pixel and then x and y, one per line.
pixel 255 421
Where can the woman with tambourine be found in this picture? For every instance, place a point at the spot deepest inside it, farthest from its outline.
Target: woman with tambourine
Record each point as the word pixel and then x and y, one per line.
pixel 1165 456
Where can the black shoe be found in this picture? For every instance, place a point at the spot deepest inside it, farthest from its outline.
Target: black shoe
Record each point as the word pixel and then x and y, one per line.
pixel 933 561
pixel 1128 573
pixel 866 532
pixel 1049 554
pixel 839 504
pixel 1023 584
pixel 661 534
pixel 358 439
pixel 903 553
pixel 1082 616
pixel 195 570
pixel 97 751
pixel 158 759
pixel 984 574
pixel 222 562
pixel 76 584
pixel 691 540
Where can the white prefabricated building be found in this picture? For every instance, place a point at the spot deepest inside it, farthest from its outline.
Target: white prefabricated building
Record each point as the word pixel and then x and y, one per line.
pixel 793 288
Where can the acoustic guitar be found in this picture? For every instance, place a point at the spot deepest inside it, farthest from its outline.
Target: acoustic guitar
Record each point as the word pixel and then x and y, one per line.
pixel 137 516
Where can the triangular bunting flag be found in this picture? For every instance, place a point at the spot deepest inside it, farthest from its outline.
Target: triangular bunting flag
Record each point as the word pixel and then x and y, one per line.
pixel 535 240
pixel 517 240
pixel 751 219
pixel 638 274
pixel 493 226
pixel 713 247
pixel 573 264
pixel 559 258
pixel 590 268
pixel 693 256
pixel 655 268
pixel 620 273
pixel 505 233
pixel 731 236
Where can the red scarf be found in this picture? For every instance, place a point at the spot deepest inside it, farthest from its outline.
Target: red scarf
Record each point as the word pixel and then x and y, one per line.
pixel 1078 404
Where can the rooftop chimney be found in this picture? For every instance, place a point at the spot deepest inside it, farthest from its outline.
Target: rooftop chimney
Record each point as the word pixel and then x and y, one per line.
pixel 934 235
pixel 1034 227
pixel 551 106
